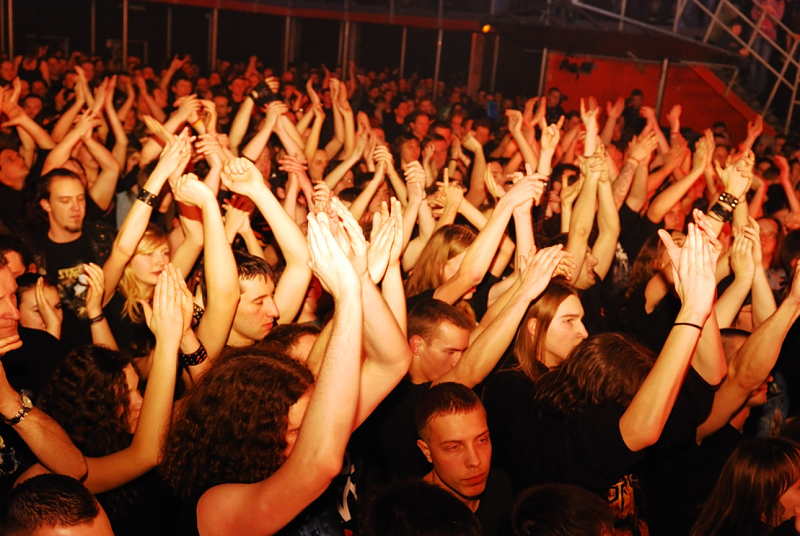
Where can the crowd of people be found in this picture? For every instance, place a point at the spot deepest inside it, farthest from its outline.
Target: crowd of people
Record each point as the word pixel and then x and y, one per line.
pixel 348 302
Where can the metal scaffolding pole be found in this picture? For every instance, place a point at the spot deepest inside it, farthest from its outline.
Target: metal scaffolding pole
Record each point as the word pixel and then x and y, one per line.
pixel 403 43
pixel 494 61
pixel 11 29
pixel 212 61
pixel 662 85
pixel 438 50
pixel 125 32
pixel 93 27
pixel 543 72
pixel 169 32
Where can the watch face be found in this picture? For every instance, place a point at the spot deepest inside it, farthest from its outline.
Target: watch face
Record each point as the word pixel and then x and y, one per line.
pixel 26 402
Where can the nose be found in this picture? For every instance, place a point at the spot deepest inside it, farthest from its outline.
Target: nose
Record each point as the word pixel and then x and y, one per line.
pixel 272 308
pixel 582 333
pixel 9 311
pixel 472 459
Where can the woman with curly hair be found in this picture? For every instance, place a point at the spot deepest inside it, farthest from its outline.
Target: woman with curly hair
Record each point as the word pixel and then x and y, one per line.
pixel 758 490
pixel 94 395
pixel 550 330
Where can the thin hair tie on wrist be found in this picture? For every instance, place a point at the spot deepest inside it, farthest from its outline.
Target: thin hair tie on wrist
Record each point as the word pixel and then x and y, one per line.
pixel 688 324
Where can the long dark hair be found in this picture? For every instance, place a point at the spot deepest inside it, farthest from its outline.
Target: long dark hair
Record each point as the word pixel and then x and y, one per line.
pixel 232 426
pixel 605 368
pixel 746 499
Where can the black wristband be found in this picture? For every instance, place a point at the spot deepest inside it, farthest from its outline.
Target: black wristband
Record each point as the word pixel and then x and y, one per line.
pixel 196 357
pixel 728 199
pixel 688 324
pixel 97 319
pixel 722 213
pixel 146 197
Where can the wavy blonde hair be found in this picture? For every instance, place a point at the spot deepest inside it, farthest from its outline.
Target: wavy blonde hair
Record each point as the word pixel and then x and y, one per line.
pixel 153 239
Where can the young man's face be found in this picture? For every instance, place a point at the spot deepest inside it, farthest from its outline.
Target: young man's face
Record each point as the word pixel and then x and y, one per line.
pixel 256 312
pixel 66 206
pixel 443 351
pixel 459 447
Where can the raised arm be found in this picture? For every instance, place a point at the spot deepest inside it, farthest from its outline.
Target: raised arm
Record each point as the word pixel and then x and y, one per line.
pixel 254 147
pixel 583 213
pixel 243 178
pixel 265 507
pixel 480 253
pixel 104 188
pixel 165 319
pixel 693 268
pixel 608 226
pixel 486 350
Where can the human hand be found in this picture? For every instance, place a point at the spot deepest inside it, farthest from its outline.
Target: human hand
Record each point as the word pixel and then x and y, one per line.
pixel 693 270
pixel 8 344
pixel 210 119
pixel 329 263
pixel 737 176
pixel 95 280
pixel 274 111
pixel 175 155
pixel 551 134
pixel 177 62
pixel 569 192
pixel 648 113
pixel 514 122
pixel 165 317
pixel 753 233
pixel 642 148
pixel 615 110
pixel 380 247
pixel 755 127
pixel 541 266
pixel 742 262
pixel 46 310
pixel 187 106
pixel 382 154
pixel 242 177
pixel 589 111
pixel 188 190
pixel 322 197
pixel 208 146
pixel 524 191
pixel 469 142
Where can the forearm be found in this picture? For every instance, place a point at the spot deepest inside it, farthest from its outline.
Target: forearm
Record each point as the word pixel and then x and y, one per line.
pixel 398 185
pixel 674 193
pixel 252 244
pixel 410 214
pixel 349 132
pixel 480 253
pixel 254 147
pixel 607 133
pixel 477 184
pixel 762 299
pixel 287 234
pixel 637 196
pixel 39 135
pixel 727 306
pixel 608 226
pixel 361 203
pixel 240 123
pixel 527 151
pixel 67 119
pixel 523 225
pixel 656 178
pixel 60 154
pixel 545 164
pixel 622 184
pixel 312 143
pixel 49 443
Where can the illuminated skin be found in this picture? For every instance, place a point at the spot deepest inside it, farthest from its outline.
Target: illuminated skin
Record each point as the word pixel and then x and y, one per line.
pixel 148 266
pixel 14 262
pixel 65 208
pixel 29 310
pixel 256 312
pixel 134 397
pixel 13 170
pixel 296 415
pixel 99 526
pixel 9 314
pixel 565 332
pixel 441 353
pixel 587 277
pixel 790 500
pixel 459 447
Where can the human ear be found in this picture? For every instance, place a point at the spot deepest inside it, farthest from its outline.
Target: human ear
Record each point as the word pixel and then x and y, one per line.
pixel 532 326
pixel 417 344
pixel 45 204
pixel 426 451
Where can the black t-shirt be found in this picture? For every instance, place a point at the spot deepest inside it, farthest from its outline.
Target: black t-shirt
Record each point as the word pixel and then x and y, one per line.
pixel 634 231
pixel 134 338
pixel 494 510
pixel 507 397
pixel 651 329
pixel 65 266
pixel 388 439
pixel 29 367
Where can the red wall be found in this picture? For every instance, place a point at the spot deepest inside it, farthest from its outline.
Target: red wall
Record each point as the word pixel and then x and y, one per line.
pixel 697 89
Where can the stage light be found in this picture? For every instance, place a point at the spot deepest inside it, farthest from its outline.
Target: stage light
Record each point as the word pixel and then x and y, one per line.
pixel 486 28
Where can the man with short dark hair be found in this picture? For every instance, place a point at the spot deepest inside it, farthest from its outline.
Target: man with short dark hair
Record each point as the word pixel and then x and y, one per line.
pixel 454 437
pixel 53 505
